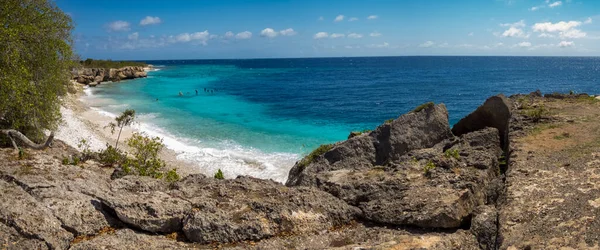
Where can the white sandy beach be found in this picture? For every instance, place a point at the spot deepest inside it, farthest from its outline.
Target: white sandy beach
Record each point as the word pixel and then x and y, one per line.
pixel 82 122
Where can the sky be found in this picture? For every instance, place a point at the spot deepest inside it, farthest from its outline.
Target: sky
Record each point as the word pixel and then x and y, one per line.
pixel 231 29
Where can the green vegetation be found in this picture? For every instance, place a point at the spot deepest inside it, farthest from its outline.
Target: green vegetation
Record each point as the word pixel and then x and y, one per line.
pixel 423 106
pixel 84 148
pixel 111 156
pixel 428 167
pixel 145 161
pixel 219 175
pixel 562 136
pixel 172 176
pixel 536 114
pixel 452 153
pixel 125 119
pixel 35 60
pixel 314 154
pixel 107 64
pixel 389 120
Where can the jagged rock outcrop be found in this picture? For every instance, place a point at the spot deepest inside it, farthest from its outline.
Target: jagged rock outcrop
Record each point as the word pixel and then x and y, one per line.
pixel 95 76
pixel 495 113
pixel 414 130
pixel 411 171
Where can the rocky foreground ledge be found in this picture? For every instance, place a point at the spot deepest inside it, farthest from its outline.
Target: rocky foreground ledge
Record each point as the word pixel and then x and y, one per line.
pixel 94 76
pixel 518 173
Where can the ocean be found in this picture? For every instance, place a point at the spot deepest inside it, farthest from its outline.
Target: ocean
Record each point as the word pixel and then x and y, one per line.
pixel 259 116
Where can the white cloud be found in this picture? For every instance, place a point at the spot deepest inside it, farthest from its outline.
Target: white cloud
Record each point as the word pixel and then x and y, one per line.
pixel 524 44
pixel 321 35
pixel 574 33
pixel 514 32
pixel 288 32
pixel 564 29
pixel 339 18
pixel 555 4
pixel 471 34
pixel 372 17
pixel 201 37
pixel 119 26
pixel 150 20
pixel 565 44
pixel 561 26
pixel 534 8
pixel 133 36
pixel 546 35
pixel 427 44
pixel 379 46
pixel 588 20
pixel 243 35
pixel 352 19
pixel 517 24
pixel 355 36
pixel 337 35
pixel 320 18
pixel 229 35
pixel 375 34
pixel 268 32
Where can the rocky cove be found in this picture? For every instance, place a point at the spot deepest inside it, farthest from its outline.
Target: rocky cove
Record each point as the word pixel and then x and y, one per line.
pixel 94 76
pixel 517 173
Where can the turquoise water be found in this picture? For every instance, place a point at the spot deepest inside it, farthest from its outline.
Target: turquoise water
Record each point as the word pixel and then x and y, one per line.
pixel 258 117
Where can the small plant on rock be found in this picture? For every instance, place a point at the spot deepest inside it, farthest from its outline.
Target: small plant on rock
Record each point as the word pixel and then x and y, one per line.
pixel 423 106
pixel 84 148
pixel 428 168
pixel 314 154
pixel 219 175
pixel 111 156
pixel 536 114
pixel 172 176
pixel 452 153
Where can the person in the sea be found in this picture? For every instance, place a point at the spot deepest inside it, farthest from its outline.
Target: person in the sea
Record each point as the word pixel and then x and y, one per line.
pixel 180 93
pixel 196 92
pixel 204 89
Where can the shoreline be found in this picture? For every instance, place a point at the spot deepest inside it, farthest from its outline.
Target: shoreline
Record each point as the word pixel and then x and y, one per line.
pixel 79 118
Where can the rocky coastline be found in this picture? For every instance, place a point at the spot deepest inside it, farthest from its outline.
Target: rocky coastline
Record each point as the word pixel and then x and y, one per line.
pixel 95 76
pixel 520 172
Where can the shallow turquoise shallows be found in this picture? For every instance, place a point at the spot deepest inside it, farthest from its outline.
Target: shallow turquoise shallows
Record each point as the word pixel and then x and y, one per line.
pixel 257 117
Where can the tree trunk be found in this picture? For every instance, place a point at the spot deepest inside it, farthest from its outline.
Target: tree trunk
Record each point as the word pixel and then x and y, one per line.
pixel 118 137
pixel 12 134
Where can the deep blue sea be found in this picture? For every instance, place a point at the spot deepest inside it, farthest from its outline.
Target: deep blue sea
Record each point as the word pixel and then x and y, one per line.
pixel 259 116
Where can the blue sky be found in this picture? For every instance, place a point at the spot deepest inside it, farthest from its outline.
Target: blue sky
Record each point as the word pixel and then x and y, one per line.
pixel 145 30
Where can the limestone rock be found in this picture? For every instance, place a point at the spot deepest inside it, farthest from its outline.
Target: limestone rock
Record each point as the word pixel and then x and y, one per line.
pixel 414 130
pixel 10 239
pixel 151 209
pixel 29 218
pixel 485 226
pixel 125 239
pixel 495 112
pixel 252 209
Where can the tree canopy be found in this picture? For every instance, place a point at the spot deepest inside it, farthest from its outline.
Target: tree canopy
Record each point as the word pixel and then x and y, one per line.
pixel 35 59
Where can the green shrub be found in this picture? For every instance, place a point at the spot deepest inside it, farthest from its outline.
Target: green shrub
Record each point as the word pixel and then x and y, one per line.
pixel 125 119
pixel 145 159
pixel 65 161
pixel 111 156
pixel 23 154
pixel 219 175
pixel 84 148
pixel 172 176
pixel 389 120
pixel 536 114
pixel 428 167
pixel 423 106
pixel 314 154
pixel 76 160
pixel 452 153
pixel 107 64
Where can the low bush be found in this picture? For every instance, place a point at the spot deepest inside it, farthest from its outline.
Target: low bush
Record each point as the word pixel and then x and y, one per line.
pixel 219 175
pixel 428 168
pixel 314 154
pixel 423 106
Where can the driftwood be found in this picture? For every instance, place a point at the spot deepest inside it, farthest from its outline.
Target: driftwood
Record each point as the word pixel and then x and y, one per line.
pixel 13 134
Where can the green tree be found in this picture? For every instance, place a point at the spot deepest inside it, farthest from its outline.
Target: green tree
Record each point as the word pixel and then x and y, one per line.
pixel 125 119
pixel 35 59
pixel 145 159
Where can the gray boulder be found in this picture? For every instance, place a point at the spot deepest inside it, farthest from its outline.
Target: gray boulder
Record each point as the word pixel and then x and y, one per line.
pixel 32 220
pixel 485 226
pixel 415 130
pixel 125 239
pixel 146 206
pixel 252 209
pixel 10 239
pixel 495 112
